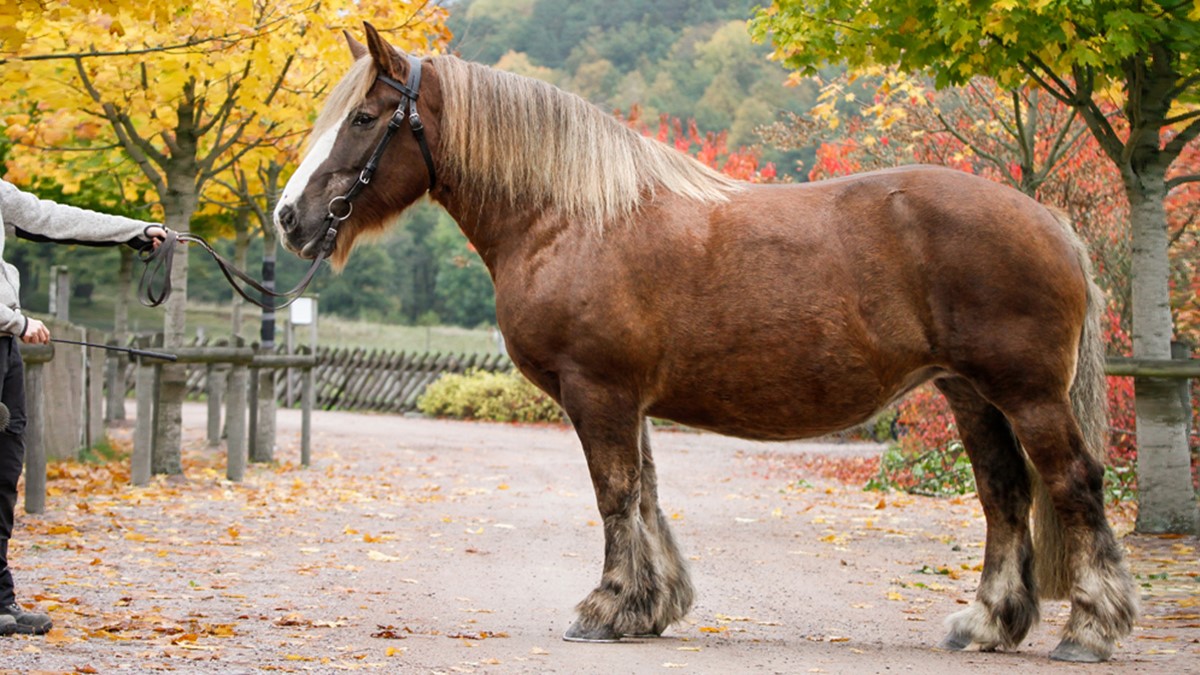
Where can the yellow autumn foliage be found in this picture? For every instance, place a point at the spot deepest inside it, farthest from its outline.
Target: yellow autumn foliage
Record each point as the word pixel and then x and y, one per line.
pixel 172 94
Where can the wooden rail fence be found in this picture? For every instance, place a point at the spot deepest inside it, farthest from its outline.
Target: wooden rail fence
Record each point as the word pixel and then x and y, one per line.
pixel 362 379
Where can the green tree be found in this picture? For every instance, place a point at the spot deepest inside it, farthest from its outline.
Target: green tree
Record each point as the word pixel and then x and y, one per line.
pixel 1143 54
pixel 465 295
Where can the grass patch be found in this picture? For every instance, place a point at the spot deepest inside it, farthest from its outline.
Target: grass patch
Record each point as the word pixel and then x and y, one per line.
pixel 103 452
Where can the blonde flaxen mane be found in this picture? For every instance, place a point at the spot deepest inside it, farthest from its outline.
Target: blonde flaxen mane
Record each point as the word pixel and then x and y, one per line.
pixel 526 143
pixel 523 141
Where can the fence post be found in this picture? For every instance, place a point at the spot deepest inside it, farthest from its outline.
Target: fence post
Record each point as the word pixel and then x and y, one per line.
pixel 95 363
pixel 252 409
pixel 235 442
pixel 60 292
pixel 306 406
pixel 215 386
pixel 35 437
pixel 114 377
pixel 143 433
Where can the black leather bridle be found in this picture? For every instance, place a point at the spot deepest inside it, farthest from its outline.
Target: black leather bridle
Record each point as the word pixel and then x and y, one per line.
pixel 159 259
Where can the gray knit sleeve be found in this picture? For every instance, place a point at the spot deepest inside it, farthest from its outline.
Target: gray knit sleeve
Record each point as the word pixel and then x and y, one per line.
pixel 51 220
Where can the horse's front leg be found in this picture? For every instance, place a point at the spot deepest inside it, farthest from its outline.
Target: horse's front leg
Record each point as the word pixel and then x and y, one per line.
pixel 678 593
pixel 639 591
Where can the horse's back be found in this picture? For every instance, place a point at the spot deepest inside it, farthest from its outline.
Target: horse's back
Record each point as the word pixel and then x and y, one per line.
pixel 821 302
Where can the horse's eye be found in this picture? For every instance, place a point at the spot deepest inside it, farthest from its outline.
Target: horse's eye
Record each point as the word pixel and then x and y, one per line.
pixel 362 119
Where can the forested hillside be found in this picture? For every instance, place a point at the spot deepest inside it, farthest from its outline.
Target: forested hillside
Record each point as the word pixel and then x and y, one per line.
pixel 685 58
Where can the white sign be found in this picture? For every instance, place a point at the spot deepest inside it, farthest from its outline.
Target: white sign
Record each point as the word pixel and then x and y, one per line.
pixel 303 311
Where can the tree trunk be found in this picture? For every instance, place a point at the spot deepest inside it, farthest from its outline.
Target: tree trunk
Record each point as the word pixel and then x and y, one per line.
pixel 1166 498
pixel 179 204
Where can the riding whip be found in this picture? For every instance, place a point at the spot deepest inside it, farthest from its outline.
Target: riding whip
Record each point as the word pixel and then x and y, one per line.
pixel 114 348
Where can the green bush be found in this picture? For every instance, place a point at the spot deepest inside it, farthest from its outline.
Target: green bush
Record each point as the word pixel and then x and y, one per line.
pixel 480 395
pixel 941 472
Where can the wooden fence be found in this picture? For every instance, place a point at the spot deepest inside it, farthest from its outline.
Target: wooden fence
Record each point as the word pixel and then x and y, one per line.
pixel 362 379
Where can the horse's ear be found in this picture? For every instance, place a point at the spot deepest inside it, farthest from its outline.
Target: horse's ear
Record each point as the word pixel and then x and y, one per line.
pixel 382 53
pixel 357 49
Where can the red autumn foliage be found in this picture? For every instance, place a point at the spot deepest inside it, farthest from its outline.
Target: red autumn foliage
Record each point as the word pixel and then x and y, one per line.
pixel 710 148
pixel 1086 185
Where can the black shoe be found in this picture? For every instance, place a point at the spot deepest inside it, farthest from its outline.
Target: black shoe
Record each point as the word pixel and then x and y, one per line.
pixel 28 623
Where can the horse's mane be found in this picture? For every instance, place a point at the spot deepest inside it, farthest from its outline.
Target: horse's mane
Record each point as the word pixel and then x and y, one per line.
pixel 527 142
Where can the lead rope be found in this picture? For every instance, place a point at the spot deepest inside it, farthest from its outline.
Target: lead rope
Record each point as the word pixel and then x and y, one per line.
pixel 159 261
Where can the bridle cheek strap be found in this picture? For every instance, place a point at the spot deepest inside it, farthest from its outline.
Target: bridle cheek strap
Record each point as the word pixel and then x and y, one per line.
pixel 408 108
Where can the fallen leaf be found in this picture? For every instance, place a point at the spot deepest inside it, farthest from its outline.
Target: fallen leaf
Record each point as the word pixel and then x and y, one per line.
pixel 392 633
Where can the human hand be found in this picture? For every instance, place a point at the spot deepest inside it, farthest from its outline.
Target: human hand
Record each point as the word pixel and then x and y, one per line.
pixel 156 234
pixel 36 332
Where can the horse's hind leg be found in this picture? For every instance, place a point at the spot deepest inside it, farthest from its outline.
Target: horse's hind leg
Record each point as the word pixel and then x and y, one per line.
pixel 677 594
pixel 1005 605
pixel 644 587
pixel 1103 598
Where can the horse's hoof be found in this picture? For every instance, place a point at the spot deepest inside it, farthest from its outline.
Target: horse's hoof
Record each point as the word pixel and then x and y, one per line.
pixel 580 633
pixel 1072 651
pixel 956 641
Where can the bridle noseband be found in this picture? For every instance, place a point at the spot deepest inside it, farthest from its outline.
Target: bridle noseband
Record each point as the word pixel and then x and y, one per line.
pixel 158 261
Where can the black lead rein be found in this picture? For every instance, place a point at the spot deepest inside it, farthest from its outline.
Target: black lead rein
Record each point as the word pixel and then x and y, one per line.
pixel 159 259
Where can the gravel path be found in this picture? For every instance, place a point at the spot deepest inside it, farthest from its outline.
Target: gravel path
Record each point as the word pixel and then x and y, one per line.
pixel 421 546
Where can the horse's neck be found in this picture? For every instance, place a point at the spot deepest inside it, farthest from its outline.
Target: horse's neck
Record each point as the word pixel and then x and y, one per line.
pixel 494 229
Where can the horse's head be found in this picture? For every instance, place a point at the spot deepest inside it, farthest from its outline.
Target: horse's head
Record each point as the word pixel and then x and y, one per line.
pixel 328 188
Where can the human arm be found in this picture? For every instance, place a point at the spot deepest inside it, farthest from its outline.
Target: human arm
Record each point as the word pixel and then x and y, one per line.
pixel 43 220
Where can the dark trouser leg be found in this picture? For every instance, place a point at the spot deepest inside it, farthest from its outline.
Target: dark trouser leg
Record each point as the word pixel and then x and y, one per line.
pixel 12 453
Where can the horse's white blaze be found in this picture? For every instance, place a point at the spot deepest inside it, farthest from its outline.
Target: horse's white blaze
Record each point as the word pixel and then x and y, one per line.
pixel 316 155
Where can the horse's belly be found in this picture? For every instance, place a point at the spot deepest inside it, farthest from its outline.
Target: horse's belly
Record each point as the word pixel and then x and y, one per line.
pixel 773 407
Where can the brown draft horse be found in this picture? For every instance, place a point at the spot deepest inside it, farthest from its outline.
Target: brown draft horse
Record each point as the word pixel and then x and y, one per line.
pixel 633 281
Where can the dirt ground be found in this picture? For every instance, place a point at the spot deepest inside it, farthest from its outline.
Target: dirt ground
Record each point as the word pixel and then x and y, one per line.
pixel 419 546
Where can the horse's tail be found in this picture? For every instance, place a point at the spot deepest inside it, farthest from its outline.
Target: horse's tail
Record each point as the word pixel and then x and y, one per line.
pixel 1089 400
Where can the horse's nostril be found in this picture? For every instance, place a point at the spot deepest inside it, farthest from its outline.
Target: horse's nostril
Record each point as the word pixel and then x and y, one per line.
pixel 287 218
